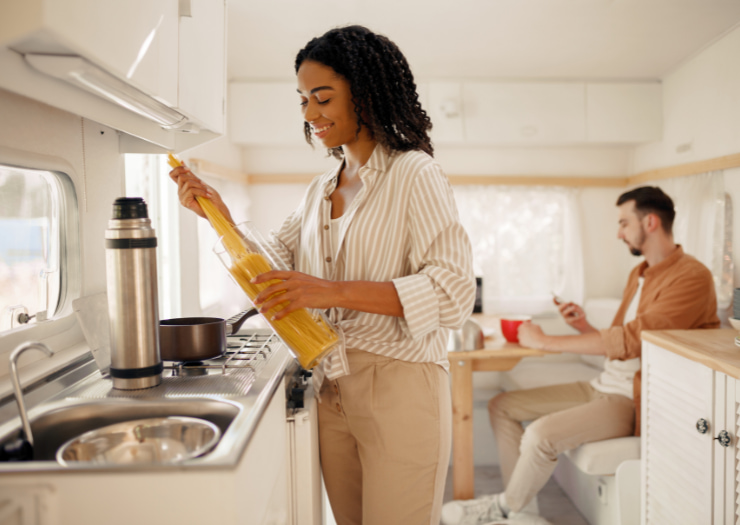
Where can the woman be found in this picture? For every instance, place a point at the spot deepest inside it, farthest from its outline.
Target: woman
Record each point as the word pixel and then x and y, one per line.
pixel 377 243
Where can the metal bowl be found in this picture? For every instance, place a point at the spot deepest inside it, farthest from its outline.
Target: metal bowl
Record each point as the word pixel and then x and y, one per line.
pixel 158 440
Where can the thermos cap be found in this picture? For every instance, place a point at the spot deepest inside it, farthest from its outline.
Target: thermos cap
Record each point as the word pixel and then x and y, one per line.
pixel 129 208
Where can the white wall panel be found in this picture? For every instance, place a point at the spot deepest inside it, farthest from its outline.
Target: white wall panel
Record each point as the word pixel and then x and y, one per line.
pixel 267 113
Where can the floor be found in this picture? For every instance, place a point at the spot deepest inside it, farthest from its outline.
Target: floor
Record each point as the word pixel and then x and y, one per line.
pixel 554 504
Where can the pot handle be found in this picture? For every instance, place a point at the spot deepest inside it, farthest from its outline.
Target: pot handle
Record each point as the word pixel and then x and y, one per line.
pixel 234 323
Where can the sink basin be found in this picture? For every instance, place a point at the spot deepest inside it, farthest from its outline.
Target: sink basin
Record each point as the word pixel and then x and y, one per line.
pixel 63 422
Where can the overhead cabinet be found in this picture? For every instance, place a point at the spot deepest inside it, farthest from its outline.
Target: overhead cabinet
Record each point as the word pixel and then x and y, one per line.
pixel 480 113
pixel 515 113
pixel 154 69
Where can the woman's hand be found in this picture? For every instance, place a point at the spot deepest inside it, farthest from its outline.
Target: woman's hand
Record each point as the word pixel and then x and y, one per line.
pixel 295 290
pixel 531 335
pixel 189 187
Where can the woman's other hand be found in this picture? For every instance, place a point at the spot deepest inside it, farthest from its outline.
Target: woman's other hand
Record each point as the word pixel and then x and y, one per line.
pixel 295 290
pixel 189 187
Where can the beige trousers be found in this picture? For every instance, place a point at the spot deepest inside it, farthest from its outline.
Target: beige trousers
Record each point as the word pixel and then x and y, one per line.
pixel 563 417
pixel 385 433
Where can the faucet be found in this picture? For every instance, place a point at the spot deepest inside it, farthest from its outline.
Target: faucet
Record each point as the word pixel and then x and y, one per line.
pixel 15 354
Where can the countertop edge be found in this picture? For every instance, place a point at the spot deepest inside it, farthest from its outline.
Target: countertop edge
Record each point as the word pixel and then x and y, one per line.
pixel 714 348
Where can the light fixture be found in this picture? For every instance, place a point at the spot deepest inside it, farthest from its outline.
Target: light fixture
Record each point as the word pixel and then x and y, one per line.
pixel 86 75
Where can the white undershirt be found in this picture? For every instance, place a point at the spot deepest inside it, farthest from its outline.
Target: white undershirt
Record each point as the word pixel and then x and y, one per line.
pixel 336 225
pixel 618 376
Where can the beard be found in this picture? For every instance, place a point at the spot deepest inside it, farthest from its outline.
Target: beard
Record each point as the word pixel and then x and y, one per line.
pixel 636 249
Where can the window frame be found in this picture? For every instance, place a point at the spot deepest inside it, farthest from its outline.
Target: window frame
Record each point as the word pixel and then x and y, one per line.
pixel 55 329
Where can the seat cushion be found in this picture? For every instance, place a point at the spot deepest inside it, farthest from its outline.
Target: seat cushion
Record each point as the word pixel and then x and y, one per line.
pixel 603 457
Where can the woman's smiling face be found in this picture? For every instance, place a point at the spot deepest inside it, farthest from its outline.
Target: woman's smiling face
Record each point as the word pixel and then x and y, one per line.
pixel 326 103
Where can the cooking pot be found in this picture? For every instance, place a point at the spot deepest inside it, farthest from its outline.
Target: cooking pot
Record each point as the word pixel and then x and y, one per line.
pixel 197 338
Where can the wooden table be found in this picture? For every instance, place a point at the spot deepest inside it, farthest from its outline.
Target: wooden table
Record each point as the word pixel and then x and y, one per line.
pixel 498 356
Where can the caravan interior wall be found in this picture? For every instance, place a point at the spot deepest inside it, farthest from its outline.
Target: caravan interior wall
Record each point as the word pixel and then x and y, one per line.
pixel 701 112
pixel 34 135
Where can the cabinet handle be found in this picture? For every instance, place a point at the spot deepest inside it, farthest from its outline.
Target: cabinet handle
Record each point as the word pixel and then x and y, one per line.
pixel 724 438
pixel 702 426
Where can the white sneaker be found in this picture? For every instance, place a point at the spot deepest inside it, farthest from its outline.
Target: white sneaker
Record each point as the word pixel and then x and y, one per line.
pixel 478 511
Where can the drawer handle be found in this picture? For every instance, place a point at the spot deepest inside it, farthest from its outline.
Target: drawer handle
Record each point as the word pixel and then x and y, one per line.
pixel 724 438
pixel 702 426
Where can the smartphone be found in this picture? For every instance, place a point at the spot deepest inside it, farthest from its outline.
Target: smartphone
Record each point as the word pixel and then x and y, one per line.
pixel 556 298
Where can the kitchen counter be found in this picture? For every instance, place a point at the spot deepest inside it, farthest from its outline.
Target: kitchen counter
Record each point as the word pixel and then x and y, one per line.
pixel 243 480
pixel 242 393
pixel 713 348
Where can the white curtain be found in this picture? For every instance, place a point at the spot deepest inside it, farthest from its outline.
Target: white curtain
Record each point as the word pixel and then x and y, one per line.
pixel 526 244
pixel 703 225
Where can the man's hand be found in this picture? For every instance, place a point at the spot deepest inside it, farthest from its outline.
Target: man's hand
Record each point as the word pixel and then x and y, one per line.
pixel 574 315
pixel 531 335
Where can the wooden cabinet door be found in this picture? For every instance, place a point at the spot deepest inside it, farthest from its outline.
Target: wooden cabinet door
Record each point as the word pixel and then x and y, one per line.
pixel 677 472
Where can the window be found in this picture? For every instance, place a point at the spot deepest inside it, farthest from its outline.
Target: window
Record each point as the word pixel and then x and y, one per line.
pixel 703 226
pixel 526 244
pixel 147 177
pixel 38 249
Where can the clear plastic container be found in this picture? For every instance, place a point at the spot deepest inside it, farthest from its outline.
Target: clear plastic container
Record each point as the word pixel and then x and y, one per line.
pixel 246 254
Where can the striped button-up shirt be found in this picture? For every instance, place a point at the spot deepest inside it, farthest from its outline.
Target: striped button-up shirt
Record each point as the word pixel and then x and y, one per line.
pixel 403 227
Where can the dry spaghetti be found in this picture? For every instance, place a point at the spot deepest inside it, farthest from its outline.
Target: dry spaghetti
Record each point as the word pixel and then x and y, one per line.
pixel 308 336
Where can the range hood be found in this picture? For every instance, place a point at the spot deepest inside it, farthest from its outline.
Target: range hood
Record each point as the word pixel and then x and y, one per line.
pixel 152 69
pixel 83 74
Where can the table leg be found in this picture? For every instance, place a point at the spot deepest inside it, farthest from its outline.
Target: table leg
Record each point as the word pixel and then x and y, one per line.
pixel 463 470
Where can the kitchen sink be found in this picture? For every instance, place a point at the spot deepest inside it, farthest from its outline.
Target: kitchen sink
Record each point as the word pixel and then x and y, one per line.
pixel 63 421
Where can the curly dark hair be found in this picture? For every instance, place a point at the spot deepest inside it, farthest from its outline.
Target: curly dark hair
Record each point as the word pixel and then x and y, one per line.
pixel 382 86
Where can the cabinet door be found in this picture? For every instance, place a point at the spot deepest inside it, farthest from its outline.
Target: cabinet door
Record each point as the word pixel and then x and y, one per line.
pixel 136 39
pixel 524 113
pixel 202 69
pixel 677 471
pixel 724 437
pixel 732 460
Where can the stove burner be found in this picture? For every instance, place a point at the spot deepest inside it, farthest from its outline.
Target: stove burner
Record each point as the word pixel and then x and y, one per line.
pixel 192 368
pixel 247 353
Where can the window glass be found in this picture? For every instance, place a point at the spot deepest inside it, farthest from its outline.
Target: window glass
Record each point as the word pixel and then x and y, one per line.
pixel 218 293
pixel 526 244
pixel 30 245
pixel 147 177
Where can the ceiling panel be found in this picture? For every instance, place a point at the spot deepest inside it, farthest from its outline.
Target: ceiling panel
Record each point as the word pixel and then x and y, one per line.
pixel 514 39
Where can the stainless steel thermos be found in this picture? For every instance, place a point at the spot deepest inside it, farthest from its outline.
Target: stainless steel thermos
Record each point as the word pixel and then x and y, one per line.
pixel 131 266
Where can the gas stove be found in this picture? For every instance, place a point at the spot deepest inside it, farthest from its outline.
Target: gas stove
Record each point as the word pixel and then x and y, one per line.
pixel 246 352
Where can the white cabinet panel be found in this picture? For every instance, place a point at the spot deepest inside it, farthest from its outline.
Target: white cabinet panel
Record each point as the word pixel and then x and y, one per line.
pixel 689 441
pixel 136 40
pixel 524 113
pixel 626 113
pixel 677 459
pixel 446 111
pixel 202 68
pixel 265 113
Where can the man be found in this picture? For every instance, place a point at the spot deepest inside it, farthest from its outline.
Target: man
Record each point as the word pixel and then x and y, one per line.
pixel 668 290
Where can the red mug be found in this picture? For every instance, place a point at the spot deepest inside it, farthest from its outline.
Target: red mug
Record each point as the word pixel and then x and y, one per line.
pixel 510 326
